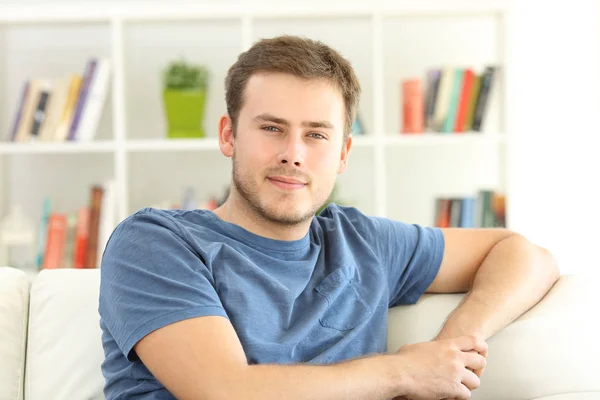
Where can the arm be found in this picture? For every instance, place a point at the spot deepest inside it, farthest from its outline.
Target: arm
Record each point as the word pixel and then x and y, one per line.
pixel 202 358
pixel 503 272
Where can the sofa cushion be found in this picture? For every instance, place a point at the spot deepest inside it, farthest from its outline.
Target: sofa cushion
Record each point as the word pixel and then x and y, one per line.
pixel 14 306
pixel 64 352
pixel 573 396
pixel 552 349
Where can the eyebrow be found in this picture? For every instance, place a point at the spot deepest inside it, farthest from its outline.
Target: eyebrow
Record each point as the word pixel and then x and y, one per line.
pixel 309 124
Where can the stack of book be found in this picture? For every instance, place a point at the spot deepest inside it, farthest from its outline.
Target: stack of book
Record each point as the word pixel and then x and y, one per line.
pixel 77 239
pixel 486 210
pixel 61 109
pixel 452 100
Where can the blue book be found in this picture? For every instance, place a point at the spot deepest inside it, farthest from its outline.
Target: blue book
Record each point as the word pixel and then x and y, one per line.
pixel 467 215
pixel 43 233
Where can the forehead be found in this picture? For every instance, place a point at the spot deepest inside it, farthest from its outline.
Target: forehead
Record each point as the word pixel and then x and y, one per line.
pixel 288 96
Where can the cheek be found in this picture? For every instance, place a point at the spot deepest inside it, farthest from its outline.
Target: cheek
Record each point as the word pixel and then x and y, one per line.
pixel 326 168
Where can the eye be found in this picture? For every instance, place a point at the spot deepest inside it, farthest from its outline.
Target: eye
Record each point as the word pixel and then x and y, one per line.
pixel 317 135
pixel 271 128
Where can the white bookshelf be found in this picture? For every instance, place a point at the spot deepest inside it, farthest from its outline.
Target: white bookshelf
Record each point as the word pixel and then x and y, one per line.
pixel 379 38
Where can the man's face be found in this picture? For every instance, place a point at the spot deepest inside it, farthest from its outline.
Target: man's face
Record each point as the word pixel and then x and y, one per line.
pixel 288 146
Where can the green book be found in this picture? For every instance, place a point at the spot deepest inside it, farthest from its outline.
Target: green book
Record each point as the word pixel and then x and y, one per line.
pixel 472 102
pixel 454 98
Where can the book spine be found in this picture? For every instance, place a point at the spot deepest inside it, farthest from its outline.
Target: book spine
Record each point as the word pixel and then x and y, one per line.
pixel 81 237
pixel 449 122
pixel 55 246
pixel 96 98
pixel 463 104
pixel 433 84
pixel 94 225
pixel 484 93
pixel 412 106
pixel 81 101
pixel 19 114
pixel 39 114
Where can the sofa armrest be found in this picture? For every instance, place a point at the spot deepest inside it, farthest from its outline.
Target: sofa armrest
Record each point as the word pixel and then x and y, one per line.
pixel 551 349
pixel 14 312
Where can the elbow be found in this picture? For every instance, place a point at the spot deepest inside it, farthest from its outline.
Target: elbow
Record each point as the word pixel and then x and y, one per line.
pixel 548 266
pixel 234 385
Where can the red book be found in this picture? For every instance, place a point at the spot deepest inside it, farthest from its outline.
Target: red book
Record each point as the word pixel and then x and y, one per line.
pixel 443 213
pixel 95 207
pixel 55 243
pixel 413 107
pixel 463 101
pixel 81 237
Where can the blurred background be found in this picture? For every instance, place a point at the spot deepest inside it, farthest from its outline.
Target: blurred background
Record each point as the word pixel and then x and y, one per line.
pixel 473 114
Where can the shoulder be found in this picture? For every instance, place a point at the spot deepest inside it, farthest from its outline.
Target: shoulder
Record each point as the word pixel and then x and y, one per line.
pixel 154 218
pixel 348 219
pixel 147 220
pixel 149 228
pixel 335 213
pixel 369 226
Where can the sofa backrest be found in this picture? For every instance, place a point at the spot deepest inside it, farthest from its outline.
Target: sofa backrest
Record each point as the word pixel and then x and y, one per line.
pixel 550 350
pixel 64 350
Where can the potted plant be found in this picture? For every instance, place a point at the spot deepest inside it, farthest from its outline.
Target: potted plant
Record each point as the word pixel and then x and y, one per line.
pixel 184 97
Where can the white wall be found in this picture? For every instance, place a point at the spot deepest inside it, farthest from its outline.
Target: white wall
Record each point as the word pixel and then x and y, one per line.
pixel 555 176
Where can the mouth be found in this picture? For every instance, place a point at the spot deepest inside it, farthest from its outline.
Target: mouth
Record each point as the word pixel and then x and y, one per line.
pixel 286 183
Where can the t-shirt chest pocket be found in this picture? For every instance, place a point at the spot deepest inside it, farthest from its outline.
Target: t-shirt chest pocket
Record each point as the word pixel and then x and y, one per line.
pixel 346 309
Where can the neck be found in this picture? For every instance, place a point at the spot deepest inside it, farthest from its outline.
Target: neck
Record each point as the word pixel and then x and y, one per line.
pixel 236 210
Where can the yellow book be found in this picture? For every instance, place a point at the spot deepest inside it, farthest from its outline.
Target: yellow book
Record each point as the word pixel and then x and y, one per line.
pixel 62 131
pixel 472 102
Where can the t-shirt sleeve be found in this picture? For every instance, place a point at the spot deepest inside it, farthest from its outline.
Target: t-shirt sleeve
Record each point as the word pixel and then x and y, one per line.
pixel 151 277
pixel 412 254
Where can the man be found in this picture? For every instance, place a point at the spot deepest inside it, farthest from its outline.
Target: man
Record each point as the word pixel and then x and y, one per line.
pixel 261 299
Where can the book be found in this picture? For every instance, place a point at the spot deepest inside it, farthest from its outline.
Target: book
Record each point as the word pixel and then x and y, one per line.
pixel 432 82
pixel 55 245
pixel 412 106
pixel 62 130
pixel 19 114
pixel 39 115
pixel 463 102
pixel 487 79
pixel 91 259
pixel 442 103
pixel 81 237
pixel 95 101
pixel 449 121
pixel 82 100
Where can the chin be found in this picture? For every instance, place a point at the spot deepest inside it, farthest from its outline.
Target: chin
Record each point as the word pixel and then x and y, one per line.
pixel 288 214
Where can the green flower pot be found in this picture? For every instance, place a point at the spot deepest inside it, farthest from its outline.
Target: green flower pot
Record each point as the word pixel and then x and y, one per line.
pixel 185 113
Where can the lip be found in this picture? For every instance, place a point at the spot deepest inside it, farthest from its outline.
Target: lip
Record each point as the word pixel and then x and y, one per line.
pixel 285 182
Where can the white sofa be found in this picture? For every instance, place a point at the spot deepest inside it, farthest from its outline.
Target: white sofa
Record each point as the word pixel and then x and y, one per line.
pixel 50 344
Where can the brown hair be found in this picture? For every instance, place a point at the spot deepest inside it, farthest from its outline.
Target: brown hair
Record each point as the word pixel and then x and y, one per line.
pixel 301 57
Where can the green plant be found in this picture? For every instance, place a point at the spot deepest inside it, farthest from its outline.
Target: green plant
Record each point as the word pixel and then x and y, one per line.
pixel 181 75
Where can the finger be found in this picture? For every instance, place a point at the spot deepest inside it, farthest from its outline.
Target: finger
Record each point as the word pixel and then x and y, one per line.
pixel 470 380
pixel 474 362
pixel 468 343
pixel 463 393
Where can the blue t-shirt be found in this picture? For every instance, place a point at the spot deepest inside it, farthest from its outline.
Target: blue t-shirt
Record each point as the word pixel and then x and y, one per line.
pixel 320 299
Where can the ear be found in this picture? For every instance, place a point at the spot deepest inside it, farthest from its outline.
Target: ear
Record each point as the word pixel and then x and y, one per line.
pixel 226 138
pixel 344 156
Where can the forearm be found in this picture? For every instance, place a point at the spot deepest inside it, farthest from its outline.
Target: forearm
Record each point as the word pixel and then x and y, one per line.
pixel 513 277
pixel 370 378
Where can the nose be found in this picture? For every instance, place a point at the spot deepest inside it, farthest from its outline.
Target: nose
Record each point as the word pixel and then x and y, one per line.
pixel 293 151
